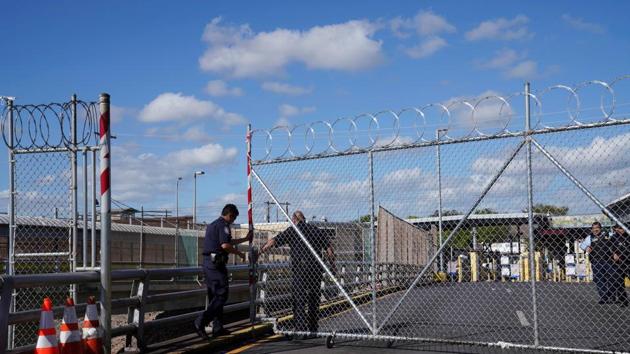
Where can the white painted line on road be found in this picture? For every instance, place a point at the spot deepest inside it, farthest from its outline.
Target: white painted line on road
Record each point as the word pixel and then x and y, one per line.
pixel 522 319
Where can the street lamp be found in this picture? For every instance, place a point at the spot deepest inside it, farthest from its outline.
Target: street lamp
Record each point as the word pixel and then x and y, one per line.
pixel 177 222
pixel 197 173
pixel 177 202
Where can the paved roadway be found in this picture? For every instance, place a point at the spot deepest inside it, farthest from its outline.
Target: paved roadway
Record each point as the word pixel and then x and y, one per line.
pixel 278 344
pixel 568 315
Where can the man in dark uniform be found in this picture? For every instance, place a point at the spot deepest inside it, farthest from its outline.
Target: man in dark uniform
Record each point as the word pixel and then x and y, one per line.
pixel 307 271
pixel 217 245
pixel 621 263
pixel 598 246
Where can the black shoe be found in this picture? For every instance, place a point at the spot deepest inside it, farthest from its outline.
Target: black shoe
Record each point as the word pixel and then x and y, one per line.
pixel 201 332
pixel 221 332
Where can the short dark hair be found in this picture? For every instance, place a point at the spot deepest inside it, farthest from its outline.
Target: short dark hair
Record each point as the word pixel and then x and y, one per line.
pixel 229 209
pixel 617 226
pixel 597 223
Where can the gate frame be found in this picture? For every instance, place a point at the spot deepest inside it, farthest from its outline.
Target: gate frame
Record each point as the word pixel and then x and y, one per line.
pixel 528 140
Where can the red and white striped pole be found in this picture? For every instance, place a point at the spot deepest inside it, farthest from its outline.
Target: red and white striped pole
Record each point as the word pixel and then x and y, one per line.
pixel 250 222
pixel 106 204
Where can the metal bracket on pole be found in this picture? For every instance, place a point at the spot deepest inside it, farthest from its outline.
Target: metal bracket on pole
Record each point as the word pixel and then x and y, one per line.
pixel 455 230
pixel 313 252
pixel 577 183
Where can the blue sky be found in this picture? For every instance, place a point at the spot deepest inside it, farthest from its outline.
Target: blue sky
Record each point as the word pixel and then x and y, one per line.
pixel 185 77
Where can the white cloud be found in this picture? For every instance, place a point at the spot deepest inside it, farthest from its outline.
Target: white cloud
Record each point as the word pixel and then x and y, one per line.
pixel 145 176
pixel 426 48
pixel 527 69
pixel 195 133
pixel 177 107
pixel 502 58
pixel 425 23
pixel 117 113
pixel 581 25
pixel 4 194
pixel 501 28
pixel 287 111
pixel 284 88
pixel 220 88
pixel 239 52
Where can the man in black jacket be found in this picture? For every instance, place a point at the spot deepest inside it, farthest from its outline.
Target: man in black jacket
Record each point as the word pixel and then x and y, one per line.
pixel 621 263
pixel 307 270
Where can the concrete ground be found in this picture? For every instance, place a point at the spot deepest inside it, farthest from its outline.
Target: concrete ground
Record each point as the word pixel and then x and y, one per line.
pixel 569 315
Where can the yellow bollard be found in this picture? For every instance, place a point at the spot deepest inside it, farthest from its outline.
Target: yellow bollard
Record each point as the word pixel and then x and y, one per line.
pixel 524 267
pixel 460 272
pixel 474 272
pixel 538 265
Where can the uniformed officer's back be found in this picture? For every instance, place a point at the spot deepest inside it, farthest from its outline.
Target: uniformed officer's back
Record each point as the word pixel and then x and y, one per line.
pixel 217 233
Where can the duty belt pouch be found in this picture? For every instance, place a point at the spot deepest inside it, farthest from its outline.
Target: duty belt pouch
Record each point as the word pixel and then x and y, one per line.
pixel 219 259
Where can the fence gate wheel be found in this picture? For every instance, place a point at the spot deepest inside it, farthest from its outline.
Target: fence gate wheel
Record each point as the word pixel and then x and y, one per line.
pixel 330 342
pixel 390 343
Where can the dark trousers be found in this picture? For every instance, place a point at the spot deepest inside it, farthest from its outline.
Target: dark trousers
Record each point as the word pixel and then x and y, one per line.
pixel 218 290
pixel 603 277
pixel 306 293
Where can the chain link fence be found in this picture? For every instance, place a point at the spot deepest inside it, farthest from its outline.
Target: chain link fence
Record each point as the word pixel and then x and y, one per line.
pixel 45 188
pixel 480 221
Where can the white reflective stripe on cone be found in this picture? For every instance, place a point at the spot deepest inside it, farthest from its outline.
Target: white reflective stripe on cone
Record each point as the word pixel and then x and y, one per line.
pixel 69 336
pixel 46 341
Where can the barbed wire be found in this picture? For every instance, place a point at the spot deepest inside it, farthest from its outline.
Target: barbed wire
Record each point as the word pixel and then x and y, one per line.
pixel 49 126
pixel 382 130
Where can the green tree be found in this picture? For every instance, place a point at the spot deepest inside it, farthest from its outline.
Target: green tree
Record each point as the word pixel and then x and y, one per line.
pixel 365 218
pixel 549 209
pixel 448 212
pixel 485 211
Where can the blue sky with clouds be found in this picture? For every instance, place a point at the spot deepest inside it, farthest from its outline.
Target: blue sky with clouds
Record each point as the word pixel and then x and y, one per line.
pixel 186 77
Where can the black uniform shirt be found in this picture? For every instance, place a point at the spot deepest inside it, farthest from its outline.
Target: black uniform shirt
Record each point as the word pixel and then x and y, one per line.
pixel 621 246
pixel 601 249
pixel 217 233
pixel 301 257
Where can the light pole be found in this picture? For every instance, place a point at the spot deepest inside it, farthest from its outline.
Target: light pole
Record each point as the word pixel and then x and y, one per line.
pixel 197 173
pixel 177 222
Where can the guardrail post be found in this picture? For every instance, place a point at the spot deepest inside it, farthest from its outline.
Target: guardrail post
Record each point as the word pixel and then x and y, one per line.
pixel 139 312
pixel 5 306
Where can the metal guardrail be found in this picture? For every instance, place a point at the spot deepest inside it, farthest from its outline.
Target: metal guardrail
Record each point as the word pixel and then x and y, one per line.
pixel 136 304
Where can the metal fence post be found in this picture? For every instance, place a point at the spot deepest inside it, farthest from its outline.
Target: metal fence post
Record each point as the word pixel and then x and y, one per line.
pixel 439 180
pixel 106 275
pixel 141 261
pixel 373 240
pixel 250 221
pixel 12 224
pixel 85 207
pixel 530 212
pixel 93 245
pixel 74 191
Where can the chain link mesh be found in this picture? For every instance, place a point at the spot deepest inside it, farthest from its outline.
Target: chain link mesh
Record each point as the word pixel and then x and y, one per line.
pixel 454 260
pixel 42 193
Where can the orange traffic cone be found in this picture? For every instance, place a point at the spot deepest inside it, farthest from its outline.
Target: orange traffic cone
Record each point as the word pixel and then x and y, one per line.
pixel 92 342
pixel 69 335
pixel 47 335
